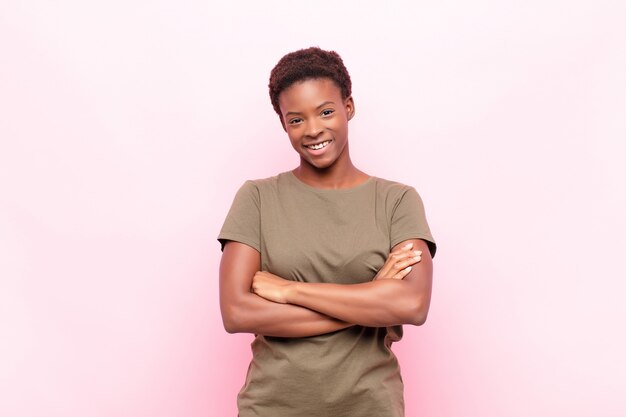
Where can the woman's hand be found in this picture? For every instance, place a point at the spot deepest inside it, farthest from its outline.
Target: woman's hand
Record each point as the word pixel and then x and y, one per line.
pixel 271 287
pixel 398 263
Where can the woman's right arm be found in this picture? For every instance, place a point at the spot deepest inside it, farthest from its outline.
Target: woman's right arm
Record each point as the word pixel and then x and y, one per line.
pixel 245 312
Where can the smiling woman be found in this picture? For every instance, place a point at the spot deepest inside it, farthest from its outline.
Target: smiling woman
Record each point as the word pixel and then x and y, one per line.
pixel 316 121
pixel 323 263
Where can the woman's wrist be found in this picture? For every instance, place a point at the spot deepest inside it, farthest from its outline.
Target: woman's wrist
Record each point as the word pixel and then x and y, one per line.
pixel 291 295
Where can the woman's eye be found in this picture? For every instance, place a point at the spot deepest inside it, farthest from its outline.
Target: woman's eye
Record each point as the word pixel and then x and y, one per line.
pixel 327 112
pixel 295 121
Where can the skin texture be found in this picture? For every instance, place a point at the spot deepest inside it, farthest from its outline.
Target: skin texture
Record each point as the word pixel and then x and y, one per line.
pixel 254 301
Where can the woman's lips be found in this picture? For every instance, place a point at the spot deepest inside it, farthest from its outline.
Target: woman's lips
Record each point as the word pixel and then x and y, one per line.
pixel 321 150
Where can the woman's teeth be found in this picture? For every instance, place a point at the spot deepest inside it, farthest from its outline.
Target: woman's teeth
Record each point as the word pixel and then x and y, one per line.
pixel 319 145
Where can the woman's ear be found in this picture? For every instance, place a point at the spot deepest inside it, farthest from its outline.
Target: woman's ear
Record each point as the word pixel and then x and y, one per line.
pixel 350 110
pixel 282 122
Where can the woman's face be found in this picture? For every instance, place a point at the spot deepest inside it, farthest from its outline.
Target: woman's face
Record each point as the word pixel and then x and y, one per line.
pixel 315 117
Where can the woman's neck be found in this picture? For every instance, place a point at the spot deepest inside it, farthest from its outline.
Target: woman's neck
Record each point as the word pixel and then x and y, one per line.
pixel 336 176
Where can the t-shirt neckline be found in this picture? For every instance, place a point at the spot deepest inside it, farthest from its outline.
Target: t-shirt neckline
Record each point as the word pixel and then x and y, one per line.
pixel 306 186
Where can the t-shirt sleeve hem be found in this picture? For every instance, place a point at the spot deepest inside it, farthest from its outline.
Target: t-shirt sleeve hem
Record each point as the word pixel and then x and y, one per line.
pixel 224 237
pixel 432 246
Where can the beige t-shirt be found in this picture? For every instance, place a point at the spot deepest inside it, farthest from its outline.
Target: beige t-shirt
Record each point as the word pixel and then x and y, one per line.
pixel 320 235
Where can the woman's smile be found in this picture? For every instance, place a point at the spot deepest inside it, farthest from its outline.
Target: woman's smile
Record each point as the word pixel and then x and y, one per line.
pixel 318 148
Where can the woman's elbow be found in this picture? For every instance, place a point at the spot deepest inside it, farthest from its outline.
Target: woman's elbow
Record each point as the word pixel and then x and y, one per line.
pixel 232 320
pixel 230 326
pixel 419 318
pixel 418 312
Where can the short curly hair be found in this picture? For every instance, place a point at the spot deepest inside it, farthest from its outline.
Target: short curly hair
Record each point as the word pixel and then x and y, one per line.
pixel 309 63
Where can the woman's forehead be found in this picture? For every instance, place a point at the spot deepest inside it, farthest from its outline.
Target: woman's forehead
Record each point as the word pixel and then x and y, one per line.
pixel 309 92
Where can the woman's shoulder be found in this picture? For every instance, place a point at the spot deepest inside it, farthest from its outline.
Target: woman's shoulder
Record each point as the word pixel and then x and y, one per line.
pixel 265 185
pixel 387 186
pixel 266 181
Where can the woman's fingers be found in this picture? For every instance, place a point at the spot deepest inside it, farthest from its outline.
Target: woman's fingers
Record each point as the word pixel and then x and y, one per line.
pixel 389 269
pixel 398 261
pixel 402 273
pixel 407 261
pixel 402 269
pixel 402 260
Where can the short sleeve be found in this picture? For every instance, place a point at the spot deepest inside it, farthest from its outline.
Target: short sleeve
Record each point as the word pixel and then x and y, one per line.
pixel 243 221
pixel 408 221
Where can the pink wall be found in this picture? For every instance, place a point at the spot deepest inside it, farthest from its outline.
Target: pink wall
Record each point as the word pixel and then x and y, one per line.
pixel 126 128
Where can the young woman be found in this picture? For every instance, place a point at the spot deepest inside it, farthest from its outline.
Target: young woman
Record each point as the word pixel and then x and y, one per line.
pixel 323 263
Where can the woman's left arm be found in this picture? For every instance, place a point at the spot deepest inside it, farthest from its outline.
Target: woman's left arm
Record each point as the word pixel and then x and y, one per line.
pixel 379 303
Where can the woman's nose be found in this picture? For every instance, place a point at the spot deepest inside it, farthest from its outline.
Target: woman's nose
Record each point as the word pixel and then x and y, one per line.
pixel 314 129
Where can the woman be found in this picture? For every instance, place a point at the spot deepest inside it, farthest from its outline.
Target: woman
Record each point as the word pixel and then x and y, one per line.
pixel 324 263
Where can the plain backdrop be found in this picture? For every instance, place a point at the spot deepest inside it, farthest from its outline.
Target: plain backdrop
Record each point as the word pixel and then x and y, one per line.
pixel 126 128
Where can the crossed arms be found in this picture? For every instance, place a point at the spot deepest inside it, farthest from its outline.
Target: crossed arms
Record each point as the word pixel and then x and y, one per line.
pixel 254 301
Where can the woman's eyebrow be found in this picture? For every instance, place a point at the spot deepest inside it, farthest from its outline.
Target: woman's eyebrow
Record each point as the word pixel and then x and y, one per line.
pixel 325 103
pixel 321 105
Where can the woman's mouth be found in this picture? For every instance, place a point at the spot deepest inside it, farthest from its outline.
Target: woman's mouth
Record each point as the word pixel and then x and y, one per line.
pixel 320 145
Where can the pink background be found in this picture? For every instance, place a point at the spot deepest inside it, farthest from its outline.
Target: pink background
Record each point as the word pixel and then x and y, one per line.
pixel 127 126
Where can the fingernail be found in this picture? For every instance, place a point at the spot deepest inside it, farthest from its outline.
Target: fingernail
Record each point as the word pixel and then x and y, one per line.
pixel 418 258
pixel 408 245
pixel 408 268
